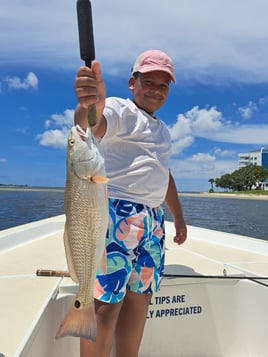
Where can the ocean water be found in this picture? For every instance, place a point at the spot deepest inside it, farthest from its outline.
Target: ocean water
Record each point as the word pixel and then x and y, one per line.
pixel 24 206
pixel 234 215
pixel 247 217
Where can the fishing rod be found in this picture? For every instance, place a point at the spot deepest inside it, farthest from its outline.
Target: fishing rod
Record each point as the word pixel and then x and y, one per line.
pixel 255 279
pixel 66 274
pixel 53 273
pixel 86 44
pixel 197 276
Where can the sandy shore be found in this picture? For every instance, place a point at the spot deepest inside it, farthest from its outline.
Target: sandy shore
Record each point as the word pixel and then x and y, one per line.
pixel 193 194
pixel 226 195
pixel 17 188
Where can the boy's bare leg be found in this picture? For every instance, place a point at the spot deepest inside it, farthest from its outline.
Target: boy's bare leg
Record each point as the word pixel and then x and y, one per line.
pixel 107 315
pixel 130 324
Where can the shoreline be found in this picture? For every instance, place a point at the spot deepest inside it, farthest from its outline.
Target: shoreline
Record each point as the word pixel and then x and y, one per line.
pixel 226 195
pixel 250 196
pixel 17 188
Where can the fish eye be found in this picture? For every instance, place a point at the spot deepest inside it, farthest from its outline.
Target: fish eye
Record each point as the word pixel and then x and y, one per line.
pixel 71 142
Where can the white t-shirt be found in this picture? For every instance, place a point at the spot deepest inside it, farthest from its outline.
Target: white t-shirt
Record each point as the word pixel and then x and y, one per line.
pixel 137 151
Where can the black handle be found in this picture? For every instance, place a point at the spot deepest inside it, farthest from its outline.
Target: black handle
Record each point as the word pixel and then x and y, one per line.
pixel 86 43
pixel 85 28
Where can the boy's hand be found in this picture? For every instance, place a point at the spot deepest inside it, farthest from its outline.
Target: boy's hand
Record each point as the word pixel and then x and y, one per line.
pixel 90 88
pixel 181 232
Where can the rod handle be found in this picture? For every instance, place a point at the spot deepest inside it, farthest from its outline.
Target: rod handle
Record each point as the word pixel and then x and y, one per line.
pixel 52 273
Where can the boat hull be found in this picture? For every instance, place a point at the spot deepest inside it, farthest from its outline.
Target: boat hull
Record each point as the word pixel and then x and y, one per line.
pixel 219 310
pixel 189 317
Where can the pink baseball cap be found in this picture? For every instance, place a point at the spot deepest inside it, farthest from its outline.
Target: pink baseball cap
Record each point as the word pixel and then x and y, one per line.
pixel 154 60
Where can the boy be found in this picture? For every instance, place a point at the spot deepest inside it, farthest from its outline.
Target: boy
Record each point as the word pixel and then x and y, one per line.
pixel 136 147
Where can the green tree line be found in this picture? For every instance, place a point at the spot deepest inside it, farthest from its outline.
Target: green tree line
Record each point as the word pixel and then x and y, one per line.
pixel 246 178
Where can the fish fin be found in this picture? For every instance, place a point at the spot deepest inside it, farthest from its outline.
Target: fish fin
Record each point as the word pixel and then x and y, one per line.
pixel 99 179
pixel 79 323
pixel 68 254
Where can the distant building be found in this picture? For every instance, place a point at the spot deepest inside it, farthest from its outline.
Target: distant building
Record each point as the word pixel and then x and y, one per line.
pixel 264 185
pixel 258 158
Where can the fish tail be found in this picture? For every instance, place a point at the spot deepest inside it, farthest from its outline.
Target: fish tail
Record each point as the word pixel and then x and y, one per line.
pixel 79 323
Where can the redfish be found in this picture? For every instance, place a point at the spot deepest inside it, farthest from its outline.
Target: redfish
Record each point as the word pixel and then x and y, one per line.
pixel 86 210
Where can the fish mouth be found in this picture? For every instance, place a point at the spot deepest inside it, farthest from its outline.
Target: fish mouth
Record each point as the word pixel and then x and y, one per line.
pixel 85 160
pixel 82 133
pixel 82 161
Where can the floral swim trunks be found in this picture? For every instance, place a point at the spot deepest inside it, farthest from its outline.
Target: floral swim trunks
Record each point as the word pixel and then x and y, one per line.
pixel 135 250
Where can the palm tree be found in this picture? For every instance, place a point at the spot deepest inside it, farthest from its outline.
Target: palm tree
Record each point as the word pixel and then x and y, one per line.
pixel 212 187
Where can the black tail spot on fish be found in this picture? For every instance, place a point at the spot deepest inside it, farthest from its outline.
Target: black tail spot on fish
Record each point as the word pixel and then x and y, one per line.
pixel 77 304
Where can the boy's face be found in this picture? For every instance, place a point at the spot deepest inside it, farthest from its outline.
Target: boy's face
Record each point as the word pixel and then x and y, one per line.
pixel 150 90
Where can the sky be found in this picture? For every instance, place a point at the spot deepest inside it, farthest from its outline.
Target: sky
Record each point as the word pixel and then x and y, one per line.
pixel 217 109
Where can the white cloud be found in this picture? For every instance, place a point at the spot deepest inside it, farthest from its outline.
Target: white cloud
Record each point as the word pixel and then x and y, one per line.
pixel 241 134
pixel 263 100
pixel 193 123
pixel 202 157
pixel 65 119
pixel 3 160
pixel 248 110
pixel 31 81
pixel 209 40
pixel 210 124
pixel 24 130
pixel 181 143
pixel 201 166
pixel 218 152
pixel 57 138
pixel 204 120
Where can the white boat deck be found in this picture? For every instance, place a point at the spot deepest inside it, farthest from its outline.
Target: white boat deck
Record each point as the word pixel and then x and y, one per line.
pixel 210 252
pixel 39 245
